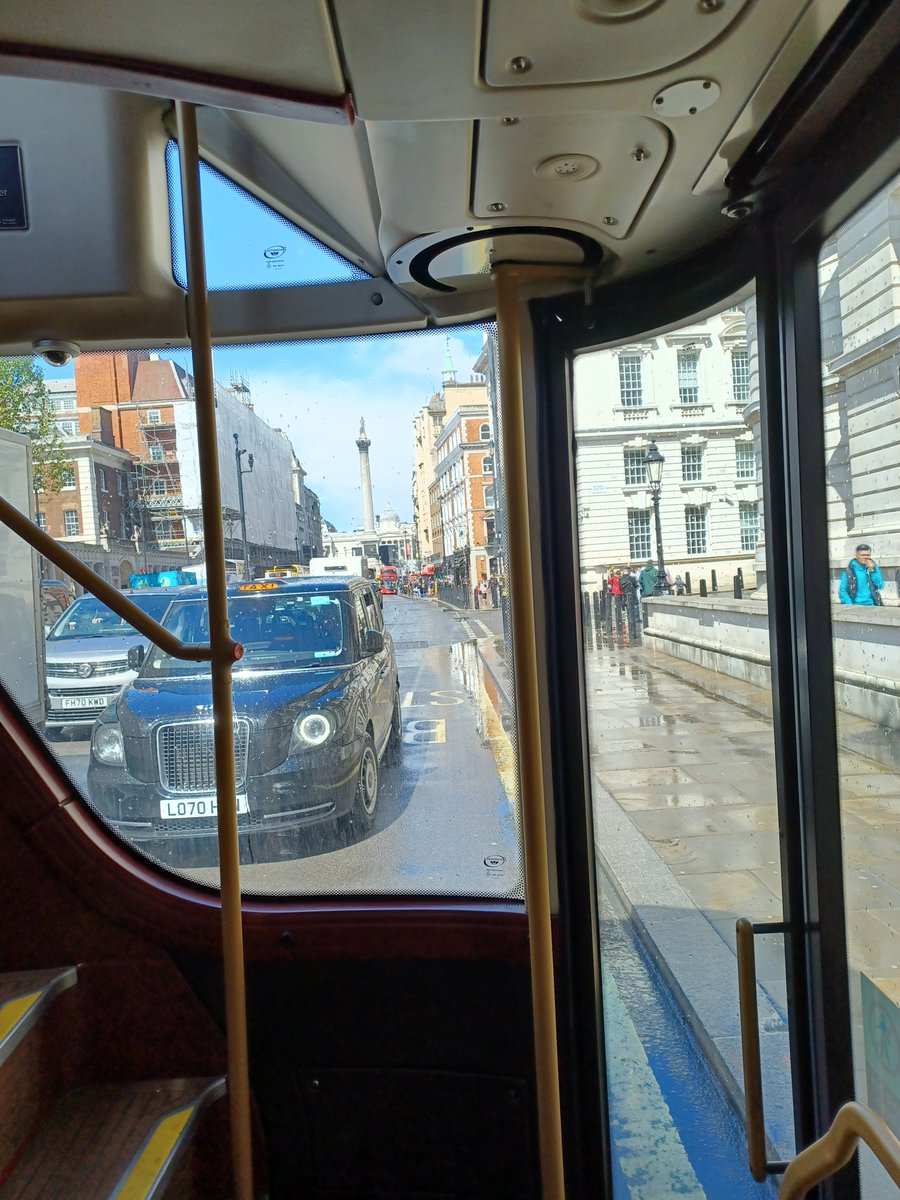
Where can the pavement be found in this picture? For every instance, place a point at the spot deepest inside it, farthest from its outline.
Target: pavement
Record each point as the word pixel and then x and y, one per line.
pixel 686 836
pixel 683 779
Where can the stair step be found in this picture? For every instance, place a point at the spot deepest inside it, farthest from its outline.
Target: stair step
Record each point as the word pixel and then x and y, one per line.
pixel 24 995
pixel 111 1141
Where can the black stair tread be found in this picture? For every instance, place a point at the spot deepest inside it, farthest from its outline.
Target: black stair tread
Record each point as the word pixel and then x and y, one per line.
pixel 93 1136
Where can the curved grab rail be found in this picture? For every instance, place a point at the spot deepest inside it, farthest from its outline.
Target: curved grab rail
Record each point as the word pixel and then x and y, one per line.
pixel 853 1124
pixel 111 596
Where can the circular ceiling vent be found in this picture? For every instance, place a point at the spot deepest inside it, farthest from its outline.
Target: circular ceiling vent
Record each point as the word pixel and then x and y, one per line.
pixel 459 260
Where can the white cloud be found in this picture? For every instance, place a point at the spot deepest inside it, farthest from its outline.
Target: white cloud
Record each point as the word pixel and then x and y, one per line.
pixel 317 392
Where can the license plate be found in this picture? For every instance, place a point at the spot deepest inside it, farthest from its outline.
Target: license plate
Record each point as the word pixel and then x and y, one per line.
pixel 85 701
pixel 172 809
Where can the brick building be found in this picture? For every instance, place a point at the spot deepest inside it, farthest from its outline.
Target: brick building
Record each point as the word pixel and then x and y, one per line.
pixel 461 499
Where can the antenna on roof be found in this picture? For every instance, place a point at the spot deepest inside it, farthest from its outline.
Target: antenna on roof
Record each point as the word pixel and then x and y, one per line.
pixel 448 374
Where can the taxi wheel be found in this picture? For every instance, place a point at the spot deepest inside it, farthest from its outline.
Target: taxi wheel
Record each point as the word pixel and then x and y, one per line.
pixel 365 802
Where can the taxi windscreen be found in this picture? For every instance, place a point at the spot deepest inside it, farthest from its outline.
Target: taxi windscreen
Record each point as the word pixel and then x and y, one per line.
pixel 277 632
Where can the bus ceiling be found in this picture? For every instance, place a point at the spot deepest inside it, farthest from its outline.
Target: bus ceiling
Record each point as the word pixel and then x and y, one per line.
pixel 421 143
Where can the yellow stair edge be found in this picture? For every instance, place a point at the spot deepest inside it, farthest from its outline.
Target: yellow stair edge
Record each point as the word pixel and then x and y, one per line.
pixel 24 996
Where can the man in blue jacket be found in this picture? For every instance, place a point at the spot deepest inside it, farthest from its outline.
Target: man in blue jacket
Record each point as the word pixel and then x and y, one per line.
pixel 862 581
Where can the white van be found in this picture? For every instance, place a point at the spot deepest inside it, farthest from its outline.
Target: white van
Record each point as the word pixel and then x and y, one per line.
pixel 354 565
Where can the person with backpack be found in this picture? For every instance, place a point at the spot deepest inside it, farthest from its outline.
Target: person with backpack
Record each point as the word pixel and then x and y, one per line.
pixel 862 581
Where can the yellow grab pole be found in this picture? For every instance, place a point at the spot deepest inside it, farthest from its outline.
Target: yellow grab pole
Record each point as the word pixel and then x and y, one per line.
pixel 222 655
pixel 531 771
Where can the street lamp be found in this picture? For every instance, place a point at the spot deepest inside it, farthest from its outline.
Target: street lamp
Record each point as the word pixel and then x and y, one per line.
pixel 241 472
pixel 653 464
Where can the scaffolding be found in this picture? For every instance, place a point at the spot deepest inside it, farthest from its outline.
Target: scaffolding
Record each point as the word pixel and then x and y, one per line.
pixel 157 483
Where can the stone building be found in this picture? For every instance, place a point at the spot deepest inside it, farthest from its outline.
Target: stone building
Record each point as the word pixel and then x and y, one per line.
pixel 687 391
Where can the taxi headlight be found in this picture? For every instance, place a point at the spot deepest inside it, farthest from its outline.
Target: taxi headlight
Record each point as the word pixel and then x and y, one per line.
pixel 107 745
pixel 311 729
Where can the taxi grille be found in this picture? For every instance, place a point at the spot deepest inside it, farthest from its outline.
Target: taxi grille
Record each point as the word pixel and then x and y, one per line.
pixel 187 756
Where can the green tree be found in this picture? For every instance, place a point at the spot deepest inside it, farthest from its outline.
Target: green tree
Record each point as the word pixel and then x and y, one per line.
pixel 25 408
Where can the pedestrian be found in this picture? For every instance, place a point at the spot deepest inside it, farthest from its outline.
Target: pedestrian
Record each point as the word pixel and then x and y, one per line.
pixel 483 591
pixel 475 593
pixel 648 578
pixel 629 585
pixel 679 586
pixel 495 591
pixel 862 581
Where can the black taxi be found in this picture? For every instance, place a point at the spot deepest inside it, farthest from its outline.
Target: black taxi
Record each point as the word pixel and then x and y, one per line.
pixel 316 714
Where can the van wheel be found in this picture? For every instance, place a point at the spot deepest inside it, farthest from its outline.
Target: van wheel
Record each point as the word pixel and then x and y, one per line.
pixel 395 738
pixel 365 802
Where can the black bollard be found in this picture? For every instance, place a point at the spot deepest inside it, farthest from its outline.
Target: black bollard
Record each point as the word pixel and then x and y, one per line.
pixel 687 583
pixel 715 583
pixel 741 575
pixel 738 587
pixel 597 617
pixel 703 587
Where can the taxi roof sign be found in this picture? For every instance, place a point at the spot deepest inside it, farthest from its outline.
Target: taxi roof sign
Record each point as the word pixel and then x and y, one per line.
pixel 267 585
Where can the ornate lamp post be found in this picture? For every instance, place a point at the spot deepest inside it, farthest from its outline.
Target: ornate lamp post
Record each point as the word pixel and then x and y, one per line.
pixel 653 462
pixel 241 472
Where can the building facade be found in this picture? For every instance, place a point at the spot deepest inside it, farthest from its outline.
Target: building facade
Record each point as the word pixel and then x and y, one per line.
pixel 462 499
pixel 688 392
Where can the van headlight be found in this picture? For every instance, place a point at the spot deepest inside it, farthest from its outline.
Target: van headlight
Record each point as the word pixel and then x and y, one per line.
pixel 108 745
pixel 311 729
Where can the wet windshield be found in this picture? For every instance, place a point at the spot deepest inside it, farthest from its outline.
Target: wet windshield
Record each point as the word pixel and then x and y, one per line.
pixel 88 618
pixel 277 632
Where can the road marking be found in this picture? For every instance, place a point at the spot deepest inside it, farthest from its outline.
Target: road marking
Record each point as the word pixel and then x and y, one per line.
pixel 448 698
pixel 406 702
pixel 489 632
pixel 417 732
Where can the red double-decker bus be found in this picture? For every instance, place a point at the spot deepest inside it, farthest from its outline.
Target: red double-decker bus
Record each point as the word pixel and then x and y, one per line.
pixel 387 578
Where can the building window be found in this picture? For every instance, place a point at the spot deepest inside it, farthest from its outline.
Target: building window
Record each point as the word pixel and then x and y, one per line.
pixel 154 416
pixel 639 546
pixel 487 466
pixel 62 403
pixel 101 479
pixel 635 467
pixel 70 522
pixel 745 460
pixel 749 518
pixel 68 477
pixel 484 434
pixel 159 486
pixel 123 527
pixel 68 428
pixel 695 527
pixel 740 376
pixel 42 521
pixel 489 496
pixel 120 484
pixel 688 377
pixel 156 453
pixel 691 463
pixel 631 381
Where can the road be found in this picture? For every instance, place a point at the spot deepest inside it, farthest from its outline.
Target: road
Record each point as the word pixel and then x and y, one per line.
pixel 446 821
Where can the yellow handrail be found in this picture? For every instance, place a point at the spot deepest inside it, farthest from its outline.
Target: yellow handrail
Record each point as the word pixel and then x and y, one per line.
pixel 111 596
pixel 222 655
pixel 853 1124
pixel 507 279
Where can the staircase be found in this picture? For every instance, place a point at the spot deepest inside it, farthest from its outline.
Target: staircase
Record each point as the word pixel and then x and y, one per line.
pixel 102 1141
